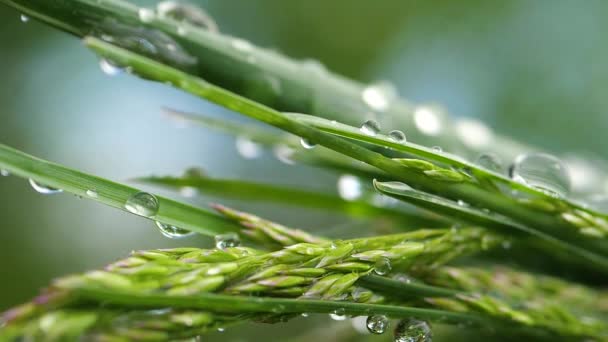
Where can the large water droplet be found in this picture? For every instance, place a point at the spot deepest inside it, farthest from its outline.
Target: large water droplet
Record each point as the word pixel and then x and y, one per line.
pixel 370 127
pixel 377 324
pixel 223 241
pixel 379 96
pixel 173 232
pixel 427 120
pixel 397 136
pixel 24 18
pixel 143 204
pixel 541 171
pixel 146 15
pixel 307 144
pixel 247 148
pixel 44 189
pixel 349 187
pixel 413 330
pixel 108 67
pixel 284 153
pixel 185 12
pixel 338 314
pixel 490 161
pixel 382 266
pixel 4 173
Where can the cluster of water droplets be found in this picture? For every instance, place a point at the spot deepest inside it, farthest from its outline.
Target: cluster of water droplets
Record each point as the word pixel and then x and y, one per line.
pixel 228 240
pixel 413 330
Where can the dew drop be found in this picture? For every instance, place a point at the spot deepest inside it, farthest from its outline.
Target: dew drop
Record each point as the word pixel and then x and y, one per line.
pixel 173 232
pixel 377 324
pixel 146 15
pixel 307 144
pixel 91 193
pixel 427 120
pixel 284 154
pixel 304 314
pixel 44 189
pixel 543 172
pixel 223 241
pixel 462 203
pixel 241 45
pixel 143 204
pixel 338 315
pixel 185 12
pixel 108 67
pixel 247 148
pixel 349 187
pixel 397 136
pixel 490 161
pixel 413 330
pixel 24 18
pixel 379 96
pixel 382 266
pixel 4 173
pixel 437 149
pixel 370 127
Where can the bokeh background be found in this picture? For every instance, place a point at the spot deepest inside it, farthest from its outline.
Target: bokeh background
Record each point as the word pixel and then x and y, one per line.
pixel 534 70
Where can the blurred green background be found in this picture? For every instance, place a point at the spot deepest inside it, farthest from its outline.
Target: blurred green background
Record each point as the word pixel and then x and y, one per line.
pixel 534 70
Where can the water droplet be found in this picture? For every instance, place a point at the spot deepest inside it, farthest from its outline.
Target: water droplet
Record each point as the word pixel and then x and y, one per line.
pixel 304 314
pixel 338 315
pixel 349 187
pixel 462 203
pixel 377 324
pixel 24 18
pixel 490 161
pixel 228 240
pixel 108 67
pixel 146 15
pixel 427 120
pixel 247 148
pixel 437 149
pixel 382 266
pixel 284 153
pixel 221 330
pixel 541 171
pixel 143 204
pixel 307 144
pixel 413 330
pixel 241 45
pixel 474 133
pixel 173 232
pixel 397 136
pixel 91 193
pixel 370 127
pixel 44 189
pixel 4 173
pixel 184 12
pixel 379 96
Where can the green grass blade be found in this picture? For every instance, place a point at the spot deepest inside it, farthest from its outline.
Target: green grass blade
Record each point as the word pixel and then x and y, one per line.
pixel 110 193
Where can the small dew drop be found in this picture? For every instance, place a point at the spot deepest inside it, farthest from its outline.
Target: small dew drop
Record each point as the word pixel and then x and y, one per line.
pixel 146 15
pixel 543 172
pixel 462 203
pixel 172 232
pixel 24 18
pixel 241 45
pixel 413 330
pixel 228 240
pixel 284 154
pixel 370 127
pixel 4 173
pixel 437 149
pixel 490 161
pixel 143 204
pixel 304 314
pixel 108 67
pixel 184 12
pixel 247 148
pixel 377 324
pixel 221 330
pixel 307 144
pixel 397 136
pixel 382 266
pixel 338 315
pixel 44 189
pixel 349 187
pixel 92 193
